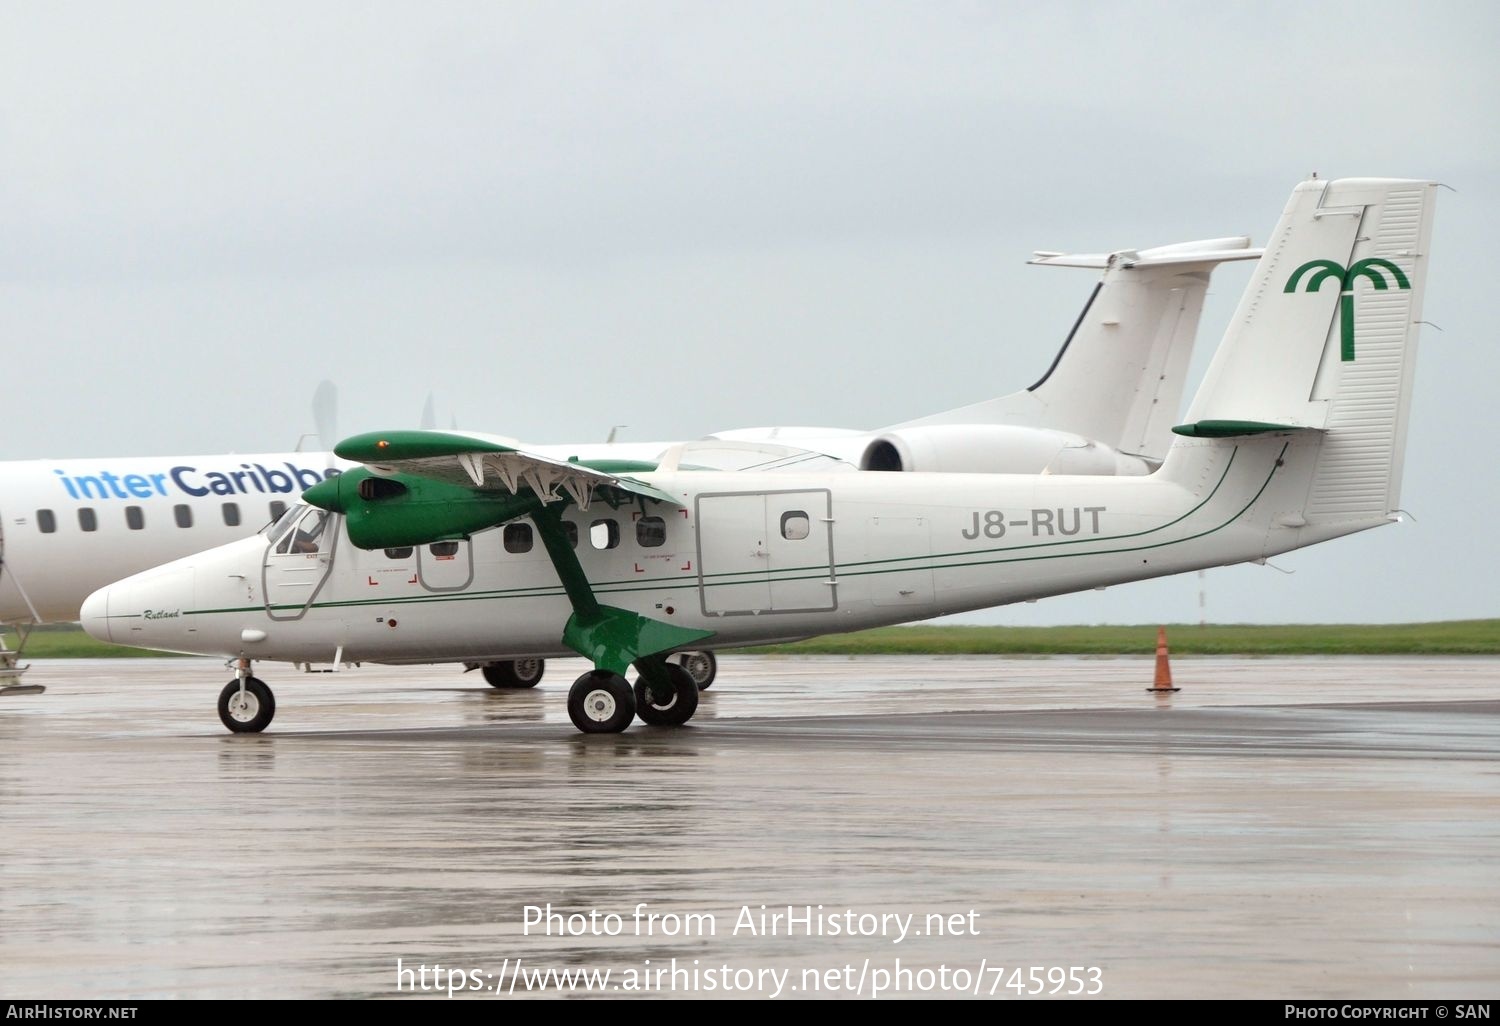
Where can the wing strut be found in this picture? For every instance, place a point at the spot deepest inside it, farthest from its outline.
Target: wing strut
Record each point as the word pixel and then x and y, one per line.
pixel 612 638
pixel 421 486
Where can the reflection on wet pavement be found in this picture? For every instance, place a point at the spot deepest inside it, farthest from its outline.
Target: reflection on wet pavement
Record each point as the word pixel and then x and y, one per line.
pixel 1281 827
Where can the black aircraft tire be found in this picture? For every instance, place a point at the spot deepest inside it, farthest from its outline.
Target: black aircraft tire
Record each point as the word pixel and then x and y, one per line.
pixel 677 712
pixel 257 711
pixel 601 702
pixel 514 673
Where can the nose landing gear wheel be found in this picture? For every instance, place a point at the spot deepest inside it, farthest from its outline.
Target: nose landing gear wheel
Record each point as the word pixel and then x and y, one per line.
pixel 701 666
pixel 249 713
pixel 600 702
pixel 514 673
pixel 676 712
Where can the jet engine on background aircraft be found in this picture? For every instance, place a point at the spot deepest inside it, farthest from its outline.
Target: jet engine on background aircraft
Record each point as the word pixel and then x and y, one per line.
pixel 996 449
pixel 957 449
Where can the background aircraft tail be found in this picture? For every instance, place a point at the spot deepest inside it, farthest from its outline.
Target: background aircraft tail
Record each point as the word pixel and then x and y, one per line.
pixel 1322 351
pixel 1119 376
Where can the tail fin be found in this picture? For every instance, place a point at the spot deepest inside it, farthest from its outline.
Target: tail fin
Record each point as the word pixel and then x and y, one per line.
pixel 1119 376
pixel 1325 339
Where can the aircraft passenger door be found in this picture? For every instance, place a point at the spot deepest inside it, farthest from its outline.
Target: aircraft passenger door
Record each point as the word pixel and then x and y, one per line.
pixel 734 574
pixel 298 561
pixel 799 540
pixel 446 565
pixel 770 552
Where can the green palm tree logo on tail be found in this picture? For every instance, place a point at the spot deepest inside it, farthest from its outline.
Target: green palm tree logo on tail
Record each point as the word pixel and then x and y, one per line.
pixel 1374 268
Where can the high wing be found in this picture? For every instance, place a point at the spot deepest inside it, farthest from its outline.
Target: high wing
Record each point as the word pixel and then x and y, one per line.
pixel 423 486
pixel 491 463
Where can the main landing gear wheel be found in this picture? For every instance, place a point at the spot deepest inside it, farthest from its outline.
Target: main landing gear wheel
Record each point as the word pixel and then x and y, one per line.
pixel 249 713
pixel 701 666
pixel 600 702
pixel 678 710
pixel 514 673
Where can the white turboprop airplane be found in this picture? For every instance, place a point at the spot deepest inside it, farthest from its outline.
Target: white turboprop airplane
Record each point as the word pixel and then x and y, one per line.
pixel 1296 436
pixel 1105 406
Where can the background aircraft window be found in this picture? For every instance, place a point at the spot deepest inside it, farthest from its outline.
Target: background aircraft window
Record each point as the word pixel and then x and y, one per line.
pixel 277 508
pixel 402 553
pixel 45 521
pixel 135 517
pixel 570 529
pixel 517 537
pixel 604 534
pixel 87 519
pixel 442 550
pixel 795 526
pixel 184 515
pixel 231 514
pixel 651 532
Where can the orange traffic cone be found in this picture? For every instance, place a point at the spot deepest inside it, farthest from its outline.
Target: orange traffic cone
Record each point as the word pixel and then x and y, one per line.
pixel 1163 667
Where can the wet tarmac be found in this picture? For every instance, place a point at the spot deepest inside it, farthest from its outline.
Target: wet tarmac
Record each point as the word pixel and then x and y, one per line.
pixel 1312 828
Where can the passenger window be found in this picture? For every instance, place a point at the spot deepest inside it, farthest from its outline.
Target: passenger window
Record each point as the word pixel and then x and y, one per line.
pixel 277 509
pixel 444 550
pixel 135 517
pixel 46 522
pixel 184 515
pixel 231 514
pixel 87 519
pixel 517 537
pixel 570 531
pixel 651 532
pixel 795 525
pixel 402 553
pixel 604 534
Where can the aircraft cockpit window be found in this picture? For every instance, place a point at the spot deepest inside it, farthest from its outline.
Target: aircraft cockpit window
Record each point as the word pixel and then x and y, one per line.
pixel 135 518
pixel 650 532
pixel 795 525
pixel 306 536
pixel 46 521
pixel 517 537
pixel 88 520
pixel 277 509
pixel 231 512
pixel 184 514
pixel 604 534
pixel 282 520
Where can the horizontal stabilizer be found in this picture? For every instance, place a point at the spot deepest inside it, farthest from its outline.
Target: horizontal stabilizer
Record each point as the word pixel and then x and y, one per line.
pixel 1232 428
pixel 1205 251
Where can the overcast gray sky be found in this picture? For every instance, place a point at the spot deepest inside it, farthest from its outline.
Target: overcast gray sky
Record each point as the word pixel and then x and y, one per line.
pixel 557 217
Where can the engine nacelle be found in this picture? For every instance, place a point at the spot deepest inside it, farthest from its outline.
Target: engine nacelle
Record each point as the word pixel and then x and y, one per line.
pixel 996 449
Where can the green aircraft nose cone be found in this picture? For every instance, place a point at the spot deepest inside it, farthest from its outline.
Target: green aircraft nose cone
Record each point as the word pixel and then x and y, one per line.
pixel 325 495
